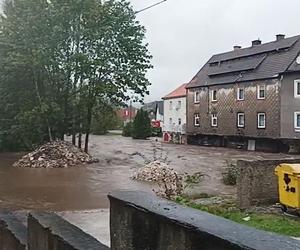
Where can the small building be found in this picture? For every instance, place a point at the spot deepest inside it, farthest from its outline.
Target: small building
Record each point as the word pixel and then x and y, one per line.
pixel 248 98
pixel 155 110
pixel 174 128
pixel 127 114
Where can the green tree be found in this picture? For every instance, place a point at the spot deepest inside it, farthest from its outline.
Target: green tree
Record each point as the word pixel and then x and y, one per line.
pixel 59 58
pixel 141 128
pixel 127 130
pixel 104 119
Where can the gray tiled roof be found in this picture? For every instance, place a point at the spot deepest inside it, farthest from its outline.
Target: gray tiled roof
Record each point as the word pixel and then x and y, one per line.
pixel 253 63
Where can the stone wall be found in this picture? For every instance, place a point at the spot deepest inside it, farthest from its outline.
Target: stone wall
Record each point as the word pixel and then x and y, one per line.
pixel 257 183
pixel 142 221
pixel 44 231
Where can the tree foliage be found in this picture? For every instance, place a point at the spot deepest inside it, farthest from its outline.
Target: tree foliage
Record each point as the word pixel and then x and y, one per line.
pixel 105 118
pixel 141 128
pixel 59 59
pixel 127 130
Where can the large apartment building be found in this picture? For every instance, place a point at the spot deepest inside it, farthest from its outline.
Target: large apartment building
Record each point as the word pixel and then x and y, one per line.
pixel 248 98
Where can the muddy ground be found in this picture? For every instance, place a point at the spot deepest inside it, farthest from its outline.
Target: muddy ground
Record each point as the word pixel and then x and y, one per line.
pixel 86 187
pixel 79 194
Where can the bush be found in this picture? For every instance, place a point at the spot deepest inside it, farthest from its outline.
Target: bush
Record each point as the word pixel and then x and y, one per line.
pixel 141 128
pixel 230 174
pixel 127 130
pixel 156 132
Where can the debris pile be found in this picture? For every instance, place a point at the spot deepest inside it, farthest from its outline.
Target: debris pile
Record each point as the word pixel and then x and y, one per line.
pixel 56 154
pixel 154 172
pixel 169 181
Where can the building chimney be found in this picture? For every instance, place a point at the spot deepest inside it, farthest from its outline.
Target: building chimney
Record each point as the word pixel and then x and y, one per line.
pixel 237 47
pixel 256 42
pixel 280 37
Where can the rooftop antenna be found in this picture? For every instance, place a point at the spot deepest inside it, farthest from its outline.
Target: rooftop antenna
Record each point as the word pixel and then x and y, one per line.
pixel 151 6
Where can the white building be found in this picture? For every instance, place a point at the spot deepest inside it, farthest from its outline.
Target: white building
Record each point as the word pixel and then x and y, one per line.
pixel 175 115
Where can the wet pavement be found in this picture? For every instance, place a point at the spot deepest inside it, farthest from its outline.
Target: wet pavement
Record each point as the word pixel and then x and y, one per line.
pixel 86 187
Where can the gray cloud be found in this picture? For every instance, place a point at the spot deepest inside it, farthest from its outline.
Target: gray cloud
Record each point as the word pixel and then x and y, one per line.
pixel 183 34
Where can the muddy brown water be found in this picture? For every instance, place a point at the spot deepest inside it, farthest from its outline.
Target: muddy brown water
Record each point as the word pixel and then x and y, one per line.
pixel 86 187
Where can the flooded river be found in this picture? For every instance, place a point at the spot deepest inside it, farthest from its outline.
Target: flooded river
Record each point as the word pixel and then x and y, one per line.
pixel 86 187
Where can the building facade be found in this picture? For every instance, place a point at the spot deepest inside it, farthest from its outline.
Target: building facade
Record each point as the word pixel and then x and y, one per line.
pixel 248 98
pixel 127 114
pixel 155 110
pixel 174 128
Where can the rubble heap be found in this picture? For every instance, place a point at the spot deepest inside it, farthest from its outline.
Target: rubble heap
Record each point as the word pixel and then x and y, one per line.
pixel 154 172
pixel 56 154
pixel 169 181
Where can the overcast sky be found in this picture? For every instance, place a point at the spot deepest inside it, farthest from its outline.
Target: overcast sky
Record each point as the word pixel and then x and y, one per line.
pixel 183 34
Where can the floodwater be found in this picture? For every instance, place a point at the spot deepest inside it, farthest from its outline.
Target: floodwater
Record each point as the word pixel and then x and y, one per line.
pixel 86 187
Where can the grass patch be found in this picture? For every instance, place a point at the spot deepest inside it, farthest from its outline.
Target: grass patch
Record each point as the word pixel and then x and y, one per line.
pixel 268 222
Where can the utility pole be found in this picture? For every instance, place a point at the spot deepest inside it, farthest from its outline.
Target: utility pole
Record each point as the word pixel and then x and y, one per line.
pixel 151 6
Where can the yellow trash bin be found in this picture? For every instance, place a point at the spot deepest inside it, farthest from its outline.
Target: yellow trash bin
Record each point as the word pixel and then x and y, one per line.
pixel 289 184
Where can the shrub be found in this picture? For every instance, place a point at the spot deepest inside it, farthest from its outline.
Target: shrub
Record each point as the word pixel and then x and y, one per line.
pixel 127 130
pixel 156 132
pixel 230 174
pixel 141 128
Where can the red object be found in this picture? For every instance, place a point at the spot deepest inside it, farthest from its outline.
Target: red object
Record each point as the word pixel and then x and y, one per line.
pixel 127 114
pixel 155 124
pixel 166 137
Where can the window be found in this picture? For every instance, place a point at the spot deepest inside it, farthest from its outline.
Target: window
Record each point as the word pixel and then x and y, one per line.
pixel 241 120
pixel 240 94
pixel 214 95
pixel 197 120
pixel 171 105
pixel 179 105
pixel 214 120
pixel 297 120
pixel 179 121
pixel 297 88
pixel 197 97
pixel 261 120
pixel 261 92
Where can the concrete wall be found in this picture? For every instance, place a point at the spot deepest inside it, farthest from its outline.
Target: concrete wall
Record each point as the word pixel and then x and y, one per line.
pixel 44 231
pixel 142 221
pixel 47 231
pixel 257 183
pixel 227 106
pixel 13 234
pixel 175 113
pixel 289 105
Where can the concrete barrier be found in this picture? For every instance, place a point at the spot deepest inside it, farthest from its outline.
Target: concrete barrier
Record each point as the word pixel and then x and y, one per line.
pixel 257 183
pixel 13 234
pixel 140 220
pixel 48 231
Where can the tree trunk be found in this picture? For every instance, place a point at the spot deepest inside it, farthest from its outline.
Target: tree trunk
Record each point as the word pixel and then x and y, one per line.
pixel 79 140
pixel 74 139
pixel 88 129
pixel 37 90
